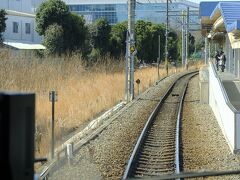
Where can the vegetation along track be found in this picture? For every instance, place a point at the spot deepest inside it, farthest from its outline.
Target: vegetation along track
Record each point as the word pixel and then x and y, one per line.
pixel 157 149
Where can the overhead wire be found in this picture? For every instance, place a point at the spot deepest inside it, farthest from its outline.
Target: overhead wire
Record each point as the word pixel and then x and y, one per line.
pixel 176 18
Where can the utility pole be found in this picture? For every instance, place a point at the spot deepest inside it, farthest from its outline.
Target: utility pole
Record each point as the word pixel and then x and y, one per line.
pixel 159 49
pixel 183 38
pixel 187 39
pixel 166 43
pixel 126 69
pixel 129 91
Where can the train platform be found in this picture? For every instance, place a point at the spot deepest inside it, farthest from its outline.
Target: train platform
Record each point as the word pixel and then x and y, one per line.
pixel 232 87
pixel 224 99
pixel 220 23
pixel 226 76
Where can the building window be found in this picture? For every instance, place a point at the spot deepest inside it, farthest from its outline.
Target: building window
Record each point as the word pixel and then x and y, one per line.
pixel 15 27
pixel 27 28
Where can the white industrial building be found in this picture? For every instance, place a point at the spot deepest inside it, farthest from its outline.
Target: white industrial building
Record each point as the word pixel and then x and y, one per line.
pixel 20 24
pixel 115 11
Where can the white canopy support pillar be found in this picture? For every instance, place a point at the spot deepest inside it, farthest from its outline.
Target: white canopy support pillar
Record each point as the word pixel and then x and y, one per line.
pixel 209 49
pixel 206 49
pixel 238 63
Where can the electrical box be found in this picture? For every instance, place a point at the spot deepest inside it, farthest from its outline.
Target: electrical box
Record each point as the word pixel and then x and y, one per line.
pixel 17 128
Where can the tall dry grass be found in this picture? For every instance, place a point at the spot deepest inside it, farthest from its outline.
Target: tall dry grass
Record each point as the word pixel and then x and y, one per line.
pixel 83 91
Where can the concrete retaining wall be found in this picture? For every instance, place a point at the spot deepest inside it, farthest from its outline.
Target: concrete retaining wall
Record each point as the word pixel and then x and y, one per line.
pixel 228 118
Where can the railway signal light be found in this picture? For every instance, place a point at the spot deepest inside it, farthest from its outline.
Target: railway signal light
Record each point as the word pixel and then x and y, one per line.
pixel 53 96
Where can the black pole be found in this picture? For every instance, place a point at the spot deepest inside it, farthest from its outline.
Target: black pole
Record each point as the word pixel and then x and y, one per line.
pixel 158 55
pixel 166 43
pixel 53 103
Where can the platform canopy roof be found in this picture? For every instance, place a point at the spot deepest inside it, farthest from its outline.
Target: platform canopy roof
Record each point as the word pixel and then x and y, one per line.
pixel 221 17
pixel 218 14
pixel 230 12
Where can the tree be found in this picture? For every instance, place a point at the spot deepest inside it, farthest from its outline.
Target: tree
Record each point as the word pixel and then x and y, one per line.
pixel 191 44
pixel 147 40
pixel 50 12
pixel 100 35
pixel 200 44
pixel 75 32
pixel 2 23
pixel 118 39
pixel 173 53
pixel 143 40
pixel 53 39
pixel 156 30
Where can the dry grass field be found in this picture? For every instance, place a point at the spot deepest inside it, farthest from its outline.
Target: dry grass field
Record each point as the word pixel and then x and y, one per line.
pixel 83 92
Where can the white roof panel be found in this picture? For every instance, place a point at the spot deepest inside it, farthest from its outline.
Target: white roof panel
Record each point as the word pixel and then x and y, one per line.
pixel 17 13
pixel 22 45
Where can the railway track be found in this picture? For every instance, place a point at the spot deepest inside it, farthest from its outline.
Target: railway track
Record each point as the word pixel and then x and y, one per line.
pixel 157 150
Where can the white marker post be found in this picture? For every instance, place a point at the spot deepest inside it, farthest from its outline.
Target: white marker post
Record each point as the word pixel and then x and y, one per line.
pixel 70 153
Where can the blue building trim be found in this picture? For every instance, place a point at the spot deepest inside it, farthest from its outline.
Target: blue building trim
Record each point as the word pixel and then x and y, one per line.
pixel 206 8
pixel 234 26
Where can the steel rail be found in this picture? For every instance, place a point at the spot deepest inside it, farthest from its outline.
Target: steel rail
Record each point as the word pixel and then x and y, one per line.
pixel 133 159
pixel 193 175
pixel 179 116
pixel 177 138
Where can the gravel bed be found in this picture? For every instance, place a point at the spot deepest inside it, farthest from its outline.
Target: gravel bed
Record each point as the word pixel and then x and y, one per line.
pixel 106 156
pixel 204 146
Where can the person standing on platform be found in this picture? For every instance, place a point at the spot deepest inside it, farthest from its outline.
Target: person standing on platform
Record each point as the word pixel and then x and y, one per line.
pixel 222 61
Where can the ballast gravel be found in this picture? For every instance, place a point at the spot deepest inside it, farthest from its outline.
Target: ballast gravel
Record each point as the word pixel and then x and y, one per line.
pixel 204 146
pixel 107 155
